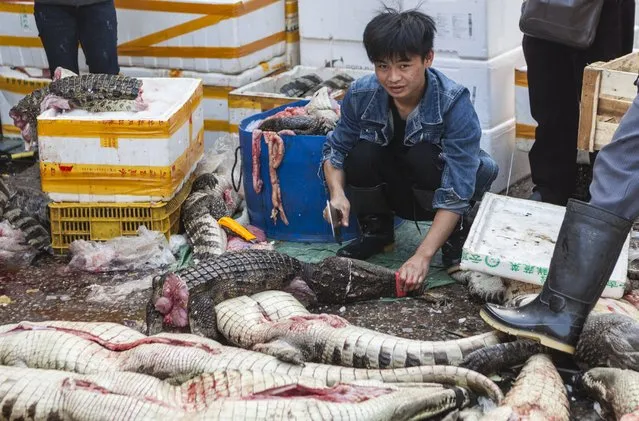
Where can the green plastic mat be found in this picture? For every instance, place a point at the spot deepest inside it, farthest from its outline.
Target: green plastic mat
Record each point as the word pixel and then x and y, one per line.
pixel 407 239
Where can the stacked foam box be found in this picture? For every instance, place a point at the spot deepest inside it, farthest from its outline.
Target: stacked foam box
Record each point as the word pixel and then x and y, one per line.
pixel 478 44
pixel 226 43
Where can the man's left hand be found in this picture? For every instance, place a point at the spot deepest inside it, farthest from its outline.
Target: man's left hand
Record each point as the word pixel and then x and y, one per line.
pixel 413 272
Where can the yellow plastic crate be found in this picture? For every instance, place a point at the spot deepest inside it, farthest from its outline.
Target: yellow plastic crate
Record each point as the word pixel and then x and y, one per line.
pixel 104 221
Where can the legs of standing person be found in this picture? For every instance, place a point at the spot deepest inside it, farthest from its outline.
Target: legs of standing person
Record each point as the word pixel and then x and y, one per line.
pixel 554 104
pixel 615 182
pixel 59 35
pixel 98 33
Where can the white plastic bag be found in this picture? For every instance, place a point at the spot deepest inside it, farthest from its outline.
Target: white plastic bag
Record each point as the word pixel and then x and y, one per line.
pixel 149 250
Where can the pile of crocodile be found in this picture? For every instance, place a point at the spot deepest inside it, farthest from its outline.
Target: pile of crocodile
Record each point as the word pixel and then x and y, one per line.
pixel 307 85
pixel 90 92
pixel 100 371
pixel 234 337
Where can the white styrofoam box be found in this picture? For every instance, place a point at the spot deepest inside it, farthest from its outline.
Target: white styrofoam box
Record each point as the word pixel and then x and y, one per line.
pixel 124 156
pixel 515 239
pixel 489 81
pixel 478 29
pixel 264 94
pixel 226 36
pixel 15 84
pixel 513 164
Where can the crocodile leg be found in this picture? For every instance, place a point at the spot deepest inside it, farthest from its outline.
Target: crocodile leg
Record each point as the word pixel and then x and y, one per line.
pixel 202 319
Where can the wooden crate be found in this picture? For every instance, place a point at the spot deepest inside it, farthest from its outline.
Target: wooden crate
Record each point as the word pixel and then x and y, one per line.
pixel 608 91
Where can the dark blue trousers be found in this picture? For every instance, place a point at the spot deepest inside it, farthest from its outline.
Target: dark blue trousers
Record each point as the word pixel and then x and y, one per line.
pixel 94 27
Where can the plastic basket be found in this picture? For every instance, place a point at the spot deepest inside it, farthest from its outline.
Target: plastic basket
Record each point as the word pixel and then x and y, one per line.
pixel 107 220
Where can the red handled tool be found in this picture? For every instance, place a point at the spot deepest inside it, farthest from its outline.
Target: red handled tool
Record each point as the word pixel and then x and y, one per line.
pixel 399 291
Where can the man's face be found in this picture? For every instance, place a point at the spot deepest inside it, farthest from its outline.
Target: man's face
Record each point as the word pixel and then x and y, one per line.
pixel 403 77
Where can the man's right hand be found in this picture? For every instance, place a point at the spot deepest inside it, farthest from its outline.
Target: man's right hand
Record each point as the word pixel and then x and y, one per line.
pixel 342 204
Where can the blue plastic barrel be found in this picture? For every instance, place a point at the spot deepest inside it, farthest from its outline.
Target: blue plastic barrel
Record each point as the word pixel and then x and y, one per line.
pixel 303 194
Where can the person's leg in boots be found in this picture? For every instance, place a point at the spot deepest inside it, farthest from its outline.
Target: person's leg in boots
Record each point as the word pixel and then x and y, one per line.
pixel 365 168
pixel 59 35
pixel 587 248
pixel 98 32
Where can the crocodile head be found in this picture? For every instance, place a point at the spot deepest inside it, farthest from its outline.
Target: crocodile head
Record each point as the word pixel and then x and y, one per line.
pixel 610 340
pixel 343 280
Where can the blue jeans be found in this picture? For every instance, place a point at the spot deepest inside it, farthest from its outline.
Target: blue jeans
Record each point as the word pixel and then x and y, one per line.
pixel 62 28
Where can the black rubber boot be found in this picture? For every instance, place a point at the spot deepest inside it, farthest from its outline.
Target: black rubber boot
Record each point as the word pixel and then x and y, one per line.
pixel 586 252
pixel 452 248
pixel 377 233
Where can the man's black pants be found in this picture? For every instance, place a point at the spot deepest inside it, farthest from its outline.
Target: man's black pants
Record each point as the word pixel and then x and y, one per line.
pixel 555 75
pixel 94 26
pixel 369 165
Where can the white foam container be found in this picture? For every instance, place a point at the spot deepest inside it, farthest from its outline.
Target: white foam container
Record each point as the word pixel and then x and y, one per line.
pixel 268 88
pixel 515 239
pixel 489 81
pixel 513 164
pixel 124 156
pixel 173 50
pixel 477 29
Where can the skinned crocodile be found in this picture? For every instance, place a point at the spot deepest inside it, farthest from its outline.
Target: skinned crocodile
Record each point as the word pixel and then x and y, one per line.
pixel 27 393
pixel 610 340
pixel 90 348
pixel 617 391
pixel 275 323
pixel 538 394
pixel 244 272
pixel 35 233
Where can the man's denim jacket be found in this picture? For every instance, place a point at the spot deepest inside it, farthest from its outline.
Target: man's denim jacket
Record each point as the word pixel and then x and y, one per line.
pixel 445 117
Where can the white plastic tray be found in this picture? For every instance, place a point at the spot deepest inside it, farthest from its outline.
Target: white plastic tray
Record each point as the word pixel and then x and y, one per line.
pixel 515 239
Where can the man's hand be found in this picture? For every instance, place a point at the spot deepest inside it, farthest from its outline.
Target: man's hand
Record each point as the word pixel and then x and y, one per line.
pixel 343 206
pixel 413 272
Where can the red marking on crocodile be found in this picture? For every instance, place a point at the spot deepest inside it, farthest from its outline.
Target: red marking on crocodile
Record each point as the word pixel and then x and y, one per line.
pixel 111 346
pixel 339 393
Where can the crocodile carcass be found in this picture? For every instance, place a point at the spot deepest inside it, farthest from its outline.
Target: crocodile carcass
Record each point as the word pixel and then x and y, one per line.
pixel 27 393
pixel 275 323
pixel 188 297
pixel 91 348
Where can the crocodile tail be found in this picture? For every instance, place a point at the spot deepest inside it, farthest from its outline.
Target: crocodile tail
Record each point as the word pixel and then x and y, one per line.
pixel 495 358
pixel 35 234
pixel 206 235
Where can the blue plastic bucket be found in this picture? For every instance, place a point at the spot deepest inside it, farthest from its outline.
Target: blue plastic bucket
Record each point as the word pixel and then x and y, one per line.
pixel 303 194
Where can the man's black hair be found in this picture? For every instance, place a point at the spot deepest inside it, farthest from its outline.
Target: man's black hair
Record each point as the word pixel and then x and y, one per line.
pixel 395 35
